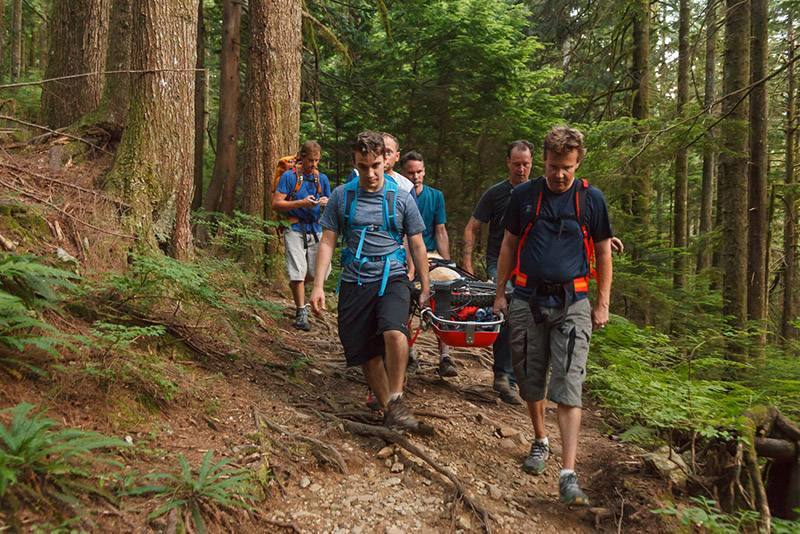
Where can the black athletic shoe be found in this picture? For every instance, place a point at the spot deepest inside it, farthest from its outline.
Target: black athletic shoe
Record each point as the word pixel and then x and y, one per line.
pixel 447 368
pixel 301 319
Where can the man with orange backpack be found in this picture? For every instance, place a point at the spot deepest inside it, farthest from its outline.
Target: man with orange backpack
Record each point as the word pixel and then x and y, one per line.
pixel 557 235
pixel 300 195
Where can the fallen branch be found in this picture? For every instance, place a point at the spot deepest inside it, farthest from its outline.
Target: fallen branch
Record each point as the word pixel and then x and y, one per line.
pixel 45 128
pixel 394 437
pixel 331 451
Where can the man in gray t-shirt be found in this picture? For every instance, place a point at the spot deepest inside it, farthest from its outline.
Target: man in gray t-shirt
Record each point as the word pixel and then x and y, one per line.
pixel 375 292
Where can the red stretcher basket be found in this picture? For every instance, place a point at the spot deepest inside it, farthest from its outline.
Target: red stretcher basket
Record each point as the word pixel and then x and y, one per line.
pixel 463 333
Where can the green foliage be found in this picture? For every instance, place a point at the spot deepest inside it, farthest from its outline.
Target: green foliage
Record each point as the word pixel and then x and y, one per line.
pixel 116 336
pixel 215 485
pixel 26 287
pixel 238 235
pixel 33 455
pixel 708 516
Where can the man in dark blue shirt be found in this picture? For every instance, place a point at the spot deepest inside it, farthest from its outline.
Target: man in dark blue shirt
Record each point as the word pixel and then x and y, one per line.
pixel 553 227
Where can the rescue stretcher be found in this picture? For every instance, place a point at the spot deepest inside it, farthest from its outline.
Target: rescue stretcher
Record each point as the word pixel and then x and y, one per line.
pixel 460 310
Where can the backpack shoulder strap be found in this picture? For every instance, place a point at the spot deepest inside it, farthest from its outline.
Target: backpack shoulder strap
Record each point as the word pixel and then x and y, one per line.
pixel 297 185
pixel 537 192
pixel 317 182
pixel 580 202
pixel 350 198
pixel 390 209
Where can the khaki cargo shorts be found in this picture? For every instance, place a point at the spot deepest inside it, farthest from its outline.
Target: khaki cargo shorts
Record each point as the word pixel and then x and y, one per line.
pixel 299 259
pixel 559 345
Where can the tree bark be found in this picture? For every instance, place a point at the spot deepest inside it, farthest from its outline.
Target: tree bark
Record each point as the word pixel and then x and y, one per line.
pixel 44 31
pixel 154 163
pixel 789 231
pixel 223 179
pixel 733 178
pixel 709 153
pixel 640 192
pixel 16 39
pixel 78 43
pixel 2 38
pixel 680 221
pixel 757 200
pixel 199 109
pixel 110 114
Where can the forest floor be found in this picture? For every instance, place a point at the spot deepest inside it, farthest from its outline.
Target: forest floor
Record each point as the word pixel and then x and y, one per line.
pixel 281 399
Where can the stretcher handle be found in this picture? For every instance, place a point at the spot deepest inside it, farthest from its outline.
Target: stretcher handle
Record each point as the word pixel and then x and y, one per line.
pixel 434 317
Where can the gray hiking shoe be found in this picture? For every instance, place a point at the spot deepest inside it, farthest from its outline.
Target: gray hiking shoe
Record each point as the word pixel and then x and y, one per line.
pixel 511 397
pixel 399 416
pixel 501 384
pixel 447 368
pixel 570 492
pixel 301 319
pixel 412 367
pixel 534 463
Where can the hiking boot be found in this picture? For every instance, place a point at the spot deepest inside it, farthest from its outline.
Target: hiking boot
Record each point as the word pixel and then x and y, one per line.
pixel 412 367
pixel 301 319
pixel 570 492
pixel 511 397
pixel 534 463
pixel 372 402
pixel 447 368
pixel 399 416
pixel 501 383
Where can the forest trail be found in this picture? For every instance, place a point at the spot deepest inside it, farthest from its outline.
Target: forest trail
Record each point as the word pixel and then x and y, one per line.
pixel 269 396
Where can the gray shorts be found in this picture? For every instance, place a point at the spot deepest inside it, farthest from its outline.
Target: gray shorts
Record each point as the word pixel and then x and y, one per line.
pixel 301 260
pixel 563 349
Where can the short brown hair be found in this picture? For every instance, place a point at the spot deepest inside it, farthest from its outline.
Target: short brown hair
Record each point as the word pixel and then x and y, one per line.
pixel 520 144
pixel 562 140
pixel 390 136
pixel 369 143
pixel 309 147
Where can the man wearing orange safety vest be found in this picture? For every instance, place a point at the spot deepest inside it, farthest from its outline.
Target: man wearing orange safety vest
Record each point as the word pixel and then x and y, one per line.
pixel 557 234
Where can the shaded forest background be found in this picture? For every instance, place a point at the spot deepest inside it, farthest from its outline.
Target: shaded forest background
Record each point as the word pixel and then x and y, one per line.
pixel 689 109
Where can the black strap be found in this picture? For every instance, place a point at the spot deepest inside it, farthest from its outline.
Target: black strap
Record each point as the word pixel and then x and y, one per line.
pixel 541 289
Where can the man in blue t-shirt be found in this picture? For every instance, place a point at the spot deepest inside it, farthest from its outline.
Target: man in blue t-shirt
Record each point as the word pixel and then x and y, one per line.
pixel 301 194
pixel 374 215
pixel 550 224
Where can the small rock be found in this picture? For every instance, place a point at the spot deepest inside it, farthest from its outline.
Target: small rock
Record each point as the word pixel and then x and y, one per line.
pixel 129 440
pixel 385 453
pixel 305 482
pixel 398 467
pixel 464 522
pixel 366 497
pixel 508 432
pixel 508 444
pixel 393 481
pixel 314 488
pixel 480 418
pixel 394 530
pixel 495 492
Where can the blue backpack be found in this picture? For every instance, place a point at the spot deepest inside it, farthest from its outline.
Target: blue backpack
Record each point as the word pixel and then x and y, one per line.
pixel 389 226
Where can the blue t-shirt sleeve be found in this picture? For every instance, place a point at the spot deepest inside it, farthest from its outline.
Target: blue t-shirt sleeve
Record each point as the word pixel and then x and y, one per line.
pixel 330 217
pixel 439 215
pixel 353 175
pixel 512 220
pixel 324 185
pixel 413 194
pixel 412 220
pixel 287 182
pixel 599 222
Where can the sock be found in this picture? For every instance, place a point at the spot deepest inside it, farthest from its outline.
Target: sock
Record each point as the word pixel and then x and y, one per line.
pixel 444 355
pixel 395 396
pixel 543 441
pixel 411 354
pixel 565 472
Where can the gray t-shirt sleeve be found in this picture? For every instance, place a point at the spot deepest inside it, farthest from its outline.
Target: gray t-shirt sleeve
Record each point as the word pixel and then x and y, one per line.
pixel 332 216
pixel 412 220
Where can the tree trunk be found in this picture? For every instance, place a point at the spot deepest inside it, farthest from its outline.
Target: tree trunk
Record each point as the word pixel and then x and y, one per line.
pixel 223 179
pixel 78 43
pixel 43 47
pixel 640 192
pixel 2 38
pixel 154 163
pixel 733 178
pixel 199 109
pixel 680 221
pixel 709 153
pixel 789 231
pixel 16 39
pixel 272 129
pixel 110 115
pixel 757 212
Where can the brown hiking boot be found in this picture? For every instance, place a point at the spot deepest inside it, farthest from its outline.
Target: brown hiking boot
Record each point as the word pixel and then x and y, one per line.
pixel 399 416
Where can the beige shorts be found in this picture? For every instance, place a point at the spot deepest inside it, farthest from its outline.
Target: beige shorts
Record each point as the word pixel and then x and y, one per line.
pixel 299 259
pixel 562 349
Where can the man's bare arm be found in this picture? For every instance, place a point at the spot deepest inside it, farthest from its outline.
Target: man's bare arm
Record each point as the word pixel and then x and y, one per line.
pixel 470 235
pixel 442 241
pixel 605 271
pixel 505 264
pixel 324 256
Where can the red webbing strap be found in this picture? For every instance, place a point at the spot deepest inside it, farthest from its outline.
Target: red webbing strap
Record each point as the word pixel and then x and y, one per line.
pixel 588 242
pixel 408 327
pixel 521 279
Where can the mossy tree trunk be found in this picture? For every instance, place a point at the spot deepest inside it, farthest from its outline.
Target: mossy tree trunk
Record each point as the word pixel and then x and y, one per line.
pixel 680 222
pixel 733 178
pixel 16 39
pixel 222 189
pixel 272 109
pixel 640 109
pixel 200 88
pixel 790 218
pixel 709 153
pixel 757 199
pixel 78 43
pixel 154 167
pixel 109 116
